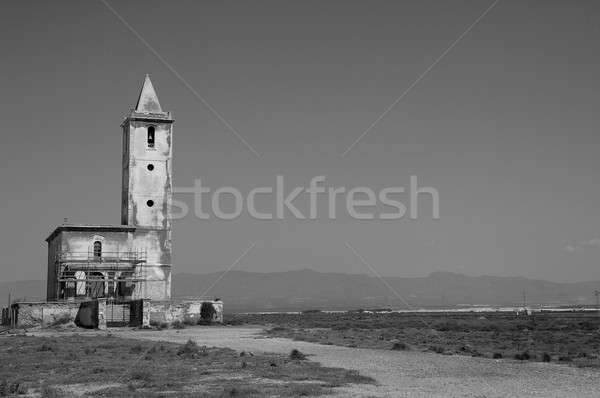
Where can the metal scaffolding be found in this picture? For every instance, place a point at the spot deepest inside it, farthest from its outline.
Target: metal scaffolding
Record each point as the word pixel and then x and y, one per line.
pixel 106 274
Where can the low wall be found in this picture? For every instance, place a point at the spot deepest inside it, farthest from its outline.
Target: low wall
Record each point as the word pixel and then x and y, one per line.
pixel 93 313
pixel 49 314
pixel 186 311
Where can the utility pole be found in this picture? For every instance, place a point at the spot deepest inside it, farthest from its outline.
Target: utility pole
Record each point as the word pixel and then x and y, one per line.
pixel 597 294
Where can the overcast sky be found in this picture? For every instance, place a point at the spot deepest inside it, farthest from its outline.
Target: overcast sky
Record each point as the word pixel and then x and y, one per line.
pixel 504 126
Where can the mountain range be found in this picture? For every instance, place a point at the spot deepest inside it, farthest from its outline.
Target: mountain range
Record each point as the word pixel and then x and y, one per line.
pixel 309 289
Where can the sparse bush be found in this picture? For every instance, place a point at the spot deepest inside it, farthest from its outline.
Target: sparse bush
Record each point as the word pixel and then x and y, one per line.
pixel 50 392
pixel 191 349
pixel 353 376
pixel 399 346
pixel 141 375
pixel 136 349
pixel 305 390
pixel 524 356
pixel 437 349
pixel 497 355
pixel 240 392
pixel 546 357
pixel 45 347
pixel 565 358
pixel 448 326
pixel 178 325
pixel 297 355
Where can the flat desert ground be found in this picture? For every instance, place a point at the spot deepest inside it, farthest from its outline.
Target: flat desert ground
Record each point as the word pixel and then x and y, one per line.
pixel 397 373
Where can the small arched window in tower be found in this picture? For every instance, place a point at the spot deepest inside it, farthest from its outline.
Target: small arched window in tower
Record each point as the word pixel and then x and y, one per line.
pixel 151 137
pixel 97 250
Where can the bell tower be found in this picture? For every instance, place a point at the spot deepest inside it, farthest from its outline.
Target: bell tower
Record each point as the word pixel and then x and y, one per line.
pixel 147 158
pixel 147 185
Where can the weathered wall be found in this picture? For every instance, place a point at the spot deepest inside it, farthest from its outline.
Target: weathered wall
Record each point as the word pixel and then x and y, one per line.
pixel 45 314
pixel 153 243
pixel 54 246
pixel 141 184
pixel 187 311
pixel 80 244
pixel 83 241
pixel 92 313
pixel 147 172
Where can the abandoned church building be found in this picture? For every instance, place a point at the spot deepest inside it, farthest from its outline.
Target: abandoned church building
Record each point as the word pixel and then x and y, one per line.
pixel 121 274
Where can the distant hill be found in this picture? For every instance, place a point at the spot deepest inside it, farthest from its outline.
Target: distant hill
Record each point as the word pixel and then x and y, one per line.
pixel 309 289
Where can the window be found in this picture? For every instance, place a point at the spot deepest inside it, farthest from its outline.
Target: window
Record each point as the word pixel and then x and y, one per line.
pixel 151 137
pixel 97 249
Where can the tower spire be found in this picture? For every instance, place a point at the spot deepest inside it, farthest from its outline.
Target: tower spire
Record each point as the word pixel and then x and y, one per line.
pixel 148 100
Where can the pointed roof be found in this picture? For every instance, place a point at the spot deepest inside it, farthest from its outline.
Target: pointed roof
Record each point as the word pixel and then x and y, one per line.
pixel 148 100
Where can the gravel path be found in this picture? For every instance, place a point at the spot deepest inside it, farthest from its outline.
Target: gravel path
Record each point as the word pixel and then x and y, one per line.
pixel 405 374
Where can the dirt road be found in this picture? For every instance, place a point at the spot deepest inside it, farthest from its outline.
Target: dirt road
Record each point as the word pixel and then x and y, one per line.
pixel 406 373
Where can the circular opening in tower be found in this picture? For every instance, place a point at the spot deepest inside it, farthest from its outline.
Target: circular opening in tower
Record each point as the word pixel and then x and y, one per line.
pixel 150 203
pixel 150 167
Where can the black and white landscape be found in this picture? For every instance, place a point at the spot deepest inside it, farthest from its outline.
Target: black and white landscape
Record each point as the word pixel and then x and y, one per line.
pixel 300 198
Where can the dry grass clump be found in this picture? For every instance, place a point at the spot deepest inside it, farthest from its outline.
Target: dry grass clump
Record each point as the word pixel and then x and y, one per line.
pixel 399 346
pixel 191 349
pixel 297 355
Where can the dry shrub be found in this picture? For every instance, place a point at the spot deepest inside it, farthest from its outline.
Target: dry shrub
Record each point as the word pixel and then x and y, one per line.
pixel 399 346
pixel 191 350
pixel 297 355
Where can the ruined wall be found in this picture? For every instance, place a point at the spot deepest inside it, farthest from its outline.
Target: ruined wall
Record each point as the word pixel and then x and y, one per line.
pixel 45 314
pixel 55 314
pixel 187 311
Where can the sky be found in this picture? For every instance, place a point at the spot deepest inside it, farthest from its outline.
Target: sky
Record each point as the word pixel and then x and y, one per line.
pixel 504 126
